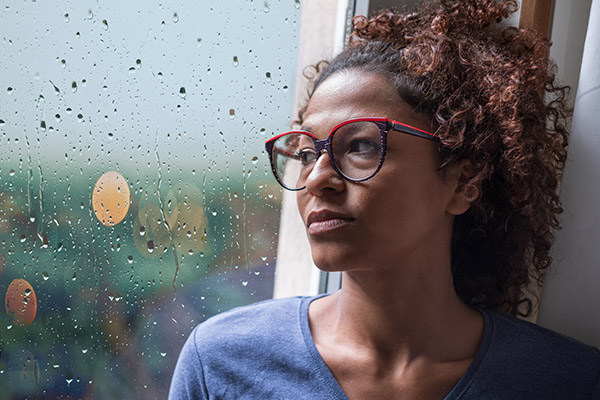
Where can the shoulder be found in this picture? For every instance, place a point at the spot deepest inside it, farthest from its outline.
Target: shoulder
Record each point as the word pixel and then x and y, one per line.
pixel 534 341
pixel 261 317
pixel 255 326
pixel 532 359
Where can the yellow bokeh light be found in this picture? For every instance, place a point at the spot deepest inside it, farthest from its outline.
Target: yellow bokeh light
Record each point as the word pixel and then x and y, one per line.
pixel 110 198
pixel 150 232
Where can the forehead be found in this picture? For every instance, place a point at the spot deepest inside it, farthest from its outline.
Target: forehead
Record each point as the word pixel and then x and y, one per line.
pixel 352 94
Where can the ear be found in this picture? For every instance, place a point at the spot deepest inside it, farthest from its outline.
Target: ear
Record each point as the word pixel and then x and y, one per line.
pixel 464 192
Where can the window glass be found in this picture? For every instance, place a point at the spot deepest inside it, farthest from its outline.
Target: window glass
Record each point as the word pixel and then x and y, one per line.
pixel 135 196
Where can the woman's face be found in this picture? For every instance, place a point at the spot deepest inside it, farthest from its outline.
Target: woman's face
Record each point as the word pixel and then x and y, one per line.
pixel 404 212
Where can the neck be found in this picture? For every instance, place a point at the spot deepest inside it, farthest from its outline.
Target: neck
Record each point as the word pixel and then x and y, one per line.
pixel 401 312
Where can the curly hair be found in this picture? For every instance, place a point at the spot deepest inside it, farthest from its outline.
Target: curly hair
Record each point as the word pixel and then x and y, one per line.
pixel 493 98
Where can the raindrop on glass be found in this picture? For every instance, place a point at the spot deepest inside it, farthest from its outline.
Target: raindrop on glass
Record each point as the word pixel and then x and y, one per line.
pixel 235 61
pixel 182 92
pixel 266 7
pixel 105 23
pixel 254 160
pixel 175 18
pixel 74 86
pixel 297 3
pixel 231 113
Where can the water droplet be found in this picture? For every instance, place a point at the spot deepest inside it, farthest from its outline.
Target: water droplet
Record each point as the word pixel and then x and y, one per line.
pixel 69 381
pixel 182 92
pixel 84 351
pixel 268 75
pixel 74 86
pixel 23 238
pixel 142 230
pixel 266 7
pixel 285 88
pixel 254 160
pixel 244 283
pixel 74 278
pixel 231 113
pixel 9 90
pixel 66 16
pixel 80 117
pixel 235 61
pixel 163 354
pixel 199 42
pixel 45 275
pixel 138 61
pixel 43 126
pixel 130 259
pixel 105 23
pixel 297 3
pixel 2 122
pixel 175 18
pixel 150 246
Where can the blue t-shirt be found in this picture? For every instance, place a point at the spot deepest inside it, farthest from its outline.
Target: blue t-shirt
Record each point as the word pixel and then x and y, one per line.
pixel 266 351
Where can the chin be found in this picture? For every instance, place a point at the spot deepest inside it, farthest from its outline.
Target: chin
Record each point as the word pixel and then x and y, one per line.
pixel 331 261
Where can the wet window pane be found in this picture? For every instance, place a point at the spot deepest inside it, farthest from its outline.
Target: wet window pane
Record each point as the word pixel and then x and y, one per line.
pixel 135 196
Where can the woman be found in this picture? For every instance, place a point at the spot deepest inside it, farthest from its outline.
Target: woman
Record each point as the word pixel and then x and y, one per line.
pixel 426 170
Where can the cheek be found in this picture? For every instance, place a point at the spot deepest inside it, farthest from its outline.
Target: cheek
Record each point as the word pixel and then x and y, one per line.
pixel 301 203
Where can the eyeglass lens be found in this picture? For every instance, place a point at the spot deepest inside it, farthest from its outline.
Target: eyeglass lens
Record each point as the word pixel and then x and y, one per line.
pixel 356 151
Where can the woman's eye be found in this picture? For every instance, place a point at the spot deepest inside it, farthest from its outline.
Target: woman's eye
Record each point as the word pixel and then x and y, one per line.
pixel 363 146
pixel 306 155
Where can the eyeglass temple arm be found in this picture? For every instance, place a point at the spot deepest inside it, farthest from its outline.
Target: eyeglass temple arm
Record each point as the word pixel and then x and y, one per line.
pixel 400 127
pixel 279 150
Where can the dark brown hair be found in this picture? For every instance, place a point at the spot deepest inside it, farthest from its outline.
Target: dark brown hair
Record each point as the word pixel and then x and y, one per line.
pixel 493 97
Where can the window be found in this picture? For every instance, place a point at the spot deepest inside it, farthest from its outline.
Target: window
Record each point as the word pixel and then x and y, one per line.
pixel 135 196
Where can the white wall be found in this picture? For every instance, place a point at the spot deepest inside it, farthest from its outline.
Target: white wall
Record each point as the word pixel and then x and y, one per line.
pixel 571 297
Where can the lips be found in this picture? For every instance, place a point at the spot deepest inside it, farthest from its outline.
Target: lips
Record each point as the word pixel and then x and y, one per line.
pixel 324 221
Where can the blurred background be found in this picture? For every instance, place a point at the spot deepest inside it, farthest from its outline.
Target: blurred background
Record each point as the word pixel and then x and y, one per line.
pixel 135 196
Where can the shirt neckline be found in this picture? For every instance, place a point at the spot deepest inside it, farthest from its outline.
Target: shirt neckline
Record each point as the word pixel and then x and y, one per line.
pixel 335 389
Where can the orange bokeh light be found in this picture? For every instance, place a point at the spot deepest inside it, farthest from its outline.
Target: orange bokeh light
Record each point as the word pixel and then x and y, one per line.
pixel 21 302
pixel 110 198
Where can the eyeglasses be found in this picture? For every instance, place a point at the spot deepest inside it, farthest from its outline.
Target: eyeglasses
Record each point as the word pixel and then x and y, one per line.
pixel 356 150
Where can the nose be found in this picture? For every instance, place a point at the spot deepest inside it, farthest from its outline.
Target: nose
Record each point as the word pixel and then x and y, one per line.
pixel 323 177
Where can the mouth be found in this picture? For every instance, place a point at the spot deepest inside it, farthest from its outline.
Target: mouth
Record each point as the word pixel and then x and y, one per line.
pixel 319 222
